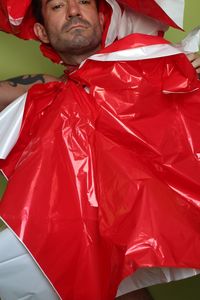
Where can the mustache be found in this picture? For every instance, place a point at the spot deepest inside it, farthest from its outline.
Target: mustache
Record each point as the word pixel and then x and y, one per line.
pixel 73 22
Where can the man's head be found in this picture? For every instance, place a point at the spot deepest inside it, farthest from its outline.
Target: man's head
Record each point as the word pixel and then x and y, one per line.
pixel 72 27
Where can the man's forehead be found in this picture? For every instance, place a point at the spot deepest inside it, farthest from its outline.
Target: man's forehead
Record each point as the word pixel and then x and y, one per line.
pixel 45 2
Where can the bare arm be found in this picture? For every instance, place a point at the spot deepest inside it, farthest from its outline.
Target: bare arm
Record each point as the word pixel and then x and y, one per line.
pixel 12 88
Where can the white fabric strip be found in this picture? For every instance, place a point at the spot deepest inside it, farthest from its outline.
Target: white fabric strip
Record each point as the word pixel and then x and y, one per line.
pixel 191 42
pixel 145 277
pixel 114 23
pixel 174 9
pixel 15 22
pixel 128 22
pixel 133 22
pixel 20 277
pixel 10 124
pixel 147 52
pixel 4 175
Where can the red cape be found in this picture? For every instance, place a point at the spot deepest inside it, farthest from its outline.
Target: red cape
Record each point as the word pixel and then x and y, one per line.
pixel 128 146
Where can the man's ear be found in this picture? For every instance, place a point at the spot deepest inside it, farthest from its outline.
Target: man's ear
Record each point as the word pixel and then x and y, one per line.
pixel 101 20
pixel 41 33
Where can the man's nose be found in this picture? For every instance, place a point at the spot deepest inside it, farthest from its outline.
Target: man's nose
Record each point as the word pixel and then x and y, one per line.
pixel 73 9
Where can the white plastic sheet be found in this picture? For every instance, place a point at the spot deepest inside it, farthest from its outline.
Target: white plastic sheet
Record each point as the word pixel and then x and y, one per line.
pixel 174 9
pixel 20 277
pixel 10 123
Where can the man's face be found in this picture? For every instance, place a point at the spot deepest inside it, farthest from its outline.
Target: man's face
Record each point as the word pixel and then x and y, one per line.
pixel 71 26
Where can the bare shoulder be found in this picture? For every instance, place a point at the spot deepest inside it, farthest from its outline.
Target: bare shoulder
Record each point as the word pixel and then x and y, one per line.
pixel 14 87
pixel 50 78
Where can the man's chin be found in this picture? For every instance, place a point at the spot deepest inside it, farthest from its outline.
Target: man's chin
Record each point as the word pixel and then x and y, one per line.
pixel 78 29
pixel 79 40
pixel 81 49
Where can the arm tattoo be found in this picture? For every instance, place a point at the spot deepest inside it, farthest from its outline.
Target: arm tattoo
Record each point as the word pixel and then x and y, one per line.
pixel 26 80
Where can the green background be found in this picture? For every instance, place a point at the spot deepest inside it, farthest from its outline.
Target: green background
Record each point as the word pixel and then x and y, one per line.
pixel 19 57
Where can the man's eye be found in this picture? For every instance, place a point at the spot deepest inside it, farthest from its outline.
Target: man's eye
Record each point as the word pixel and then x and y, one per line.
pixel 57 6
pixel 84 1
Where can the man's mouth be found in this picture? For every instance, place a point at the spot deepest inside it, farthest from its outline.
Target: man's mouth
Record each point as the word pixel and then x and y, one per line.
pixel 76 26
pixel 75 23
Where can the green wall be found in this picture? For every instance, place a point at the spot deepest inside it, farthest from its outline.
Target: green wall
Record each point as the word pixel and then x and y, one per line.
pixel 19 57
pixel 23 57
pixel 187 289
pixel 192 19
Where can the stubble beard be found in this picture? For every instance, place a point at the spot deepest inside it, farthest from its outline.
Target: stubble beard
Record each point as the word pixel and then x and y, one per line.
pixel 77 42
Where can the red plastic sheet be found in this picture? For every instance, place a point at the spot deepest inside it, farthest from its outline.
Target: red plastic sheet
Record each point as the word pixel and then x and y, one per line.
pixel 129 147
pixel 16 17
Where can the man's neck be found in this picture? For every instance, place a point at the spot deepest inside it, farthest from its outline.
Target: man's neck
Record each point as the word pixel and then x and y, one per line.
pixel 76 59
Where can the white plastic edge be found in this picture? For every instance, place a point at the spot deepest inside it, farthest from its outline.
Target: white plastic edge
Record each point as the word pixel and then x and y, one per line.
pixel 174 9
pixel 4 174
pixel 191 42
pixel 114 22
pixel 15 22
pixel 128 22
pixel 147 52
pixel 20 241
pixel 145 277
pixel 10 125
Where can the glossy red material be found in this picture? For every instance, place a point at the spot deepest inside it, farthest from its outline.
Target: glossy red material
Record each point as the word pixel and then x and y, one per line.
pixel 105 182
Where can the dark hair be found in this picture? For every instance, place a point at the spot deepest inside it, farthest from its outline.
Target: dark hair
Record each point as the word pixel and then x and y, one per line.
pixel 37 10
